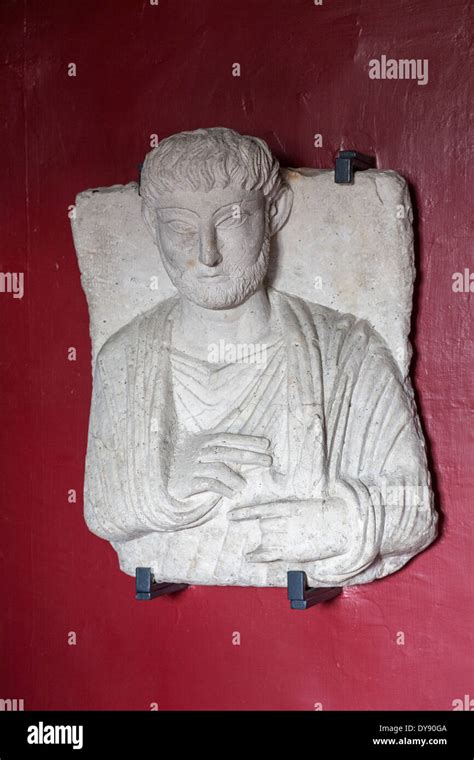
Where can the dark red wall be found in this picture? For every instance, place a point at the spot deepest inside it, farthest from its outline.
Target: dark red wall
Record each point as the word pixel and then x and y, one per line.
pixel 145 69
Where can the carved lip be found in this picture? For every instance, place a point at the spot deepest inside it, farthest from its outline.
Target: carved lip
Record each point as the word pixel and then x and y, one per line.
pixel 212 276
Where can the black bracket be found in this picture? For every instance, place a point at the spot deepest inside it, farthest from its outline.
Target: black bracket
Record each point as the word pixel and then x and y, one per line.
pixel 301 596
pixel 146 587
pixel 346 164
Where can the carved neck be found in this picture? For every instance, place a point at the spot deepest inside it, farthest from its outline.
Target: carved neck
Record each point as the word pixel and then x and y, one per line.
pixel 196 327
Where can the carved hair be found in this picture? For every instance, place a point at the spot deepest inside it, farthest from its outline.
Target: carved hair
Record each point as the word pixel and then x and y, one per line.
pixel 207 158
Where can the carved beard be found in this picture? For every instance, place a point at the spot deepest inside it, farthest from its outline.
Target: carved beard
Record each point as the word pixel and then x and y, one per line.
pixel 241 285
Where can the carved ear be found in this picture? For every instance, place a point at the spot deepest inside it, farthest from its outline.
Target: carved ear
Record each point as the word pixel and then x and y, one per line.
pixel 280 207
pixel 150 220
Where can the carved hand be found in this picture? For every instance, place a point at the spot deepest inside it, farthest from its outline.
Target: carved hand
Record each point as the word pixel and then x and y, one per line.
pixel 298 531
pixel 203 462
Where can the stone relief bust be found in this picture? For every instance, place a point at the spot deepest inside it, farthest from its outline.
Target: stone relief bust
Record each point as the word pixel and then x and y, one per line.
pixel 237 431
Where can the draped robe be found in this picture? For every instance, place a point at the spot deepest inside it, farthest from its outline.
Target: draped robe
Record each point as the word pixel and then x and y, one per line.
pixel 340 418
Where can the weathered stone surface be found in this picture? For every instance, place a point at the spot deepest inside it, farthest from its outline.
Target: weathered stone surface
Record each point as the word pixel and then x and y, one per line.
pixel 346 247
pixel 243 426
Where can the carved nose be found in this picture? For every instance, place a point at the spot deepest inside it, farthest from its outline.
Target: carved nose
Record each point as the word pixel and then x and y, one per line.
pixel 208 252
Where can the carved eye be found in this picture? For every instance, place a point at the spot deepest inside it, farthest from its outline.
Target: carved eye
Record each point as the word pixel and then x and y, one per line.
pixel 232 221
pixel 183 228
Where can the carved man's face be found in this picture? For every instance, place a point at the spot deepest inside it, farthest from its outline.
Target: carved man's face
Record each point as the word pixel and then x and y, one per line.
pixel 215 245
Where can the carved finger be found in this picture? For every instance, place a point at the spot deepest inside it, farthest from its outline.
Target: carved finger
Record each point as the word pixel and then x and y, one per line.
pixel 220 471
pixel 200 485
pixel 263 511
pixel 270 554
pixel 235 455
pixel 275 526
pixel 235 440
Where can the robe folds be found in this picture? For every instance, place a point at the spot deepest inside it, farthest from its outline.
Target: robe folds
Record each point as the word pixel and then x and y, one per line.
pixel 347 429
